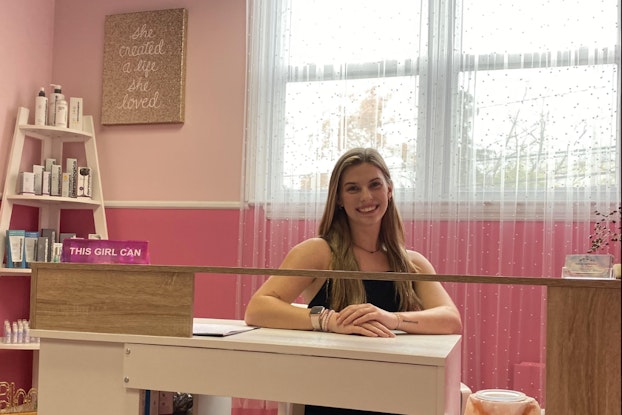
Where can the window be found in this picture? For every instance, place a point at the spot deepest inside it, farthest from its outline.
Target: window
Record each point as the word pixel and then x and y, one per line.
pixel 352 82
pixel 471 100
pixel 538 89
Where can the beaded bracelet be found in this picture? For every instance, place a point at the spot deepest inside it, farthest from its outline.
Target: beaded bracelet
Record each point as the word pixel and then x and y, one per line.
pixel 324 318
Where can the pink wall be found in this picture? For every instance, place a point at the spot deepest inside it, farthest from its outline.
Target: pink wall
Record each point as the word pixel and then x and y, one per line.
pixel 26 42
pixel 179 237
pixel 199 160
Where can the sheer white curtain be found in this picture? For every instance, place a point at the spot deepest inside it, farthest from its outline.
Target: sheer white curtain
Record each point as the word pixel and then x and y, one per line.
pixel 499 121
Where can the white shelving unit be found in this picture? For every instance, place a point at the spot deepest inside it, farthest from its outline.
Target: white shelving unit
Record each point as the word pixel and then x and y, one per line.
pixel 52 140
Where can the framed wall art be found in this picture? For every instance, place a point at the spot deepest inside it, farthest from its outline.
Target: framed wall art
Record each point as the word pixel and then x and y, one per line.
pixel 144 67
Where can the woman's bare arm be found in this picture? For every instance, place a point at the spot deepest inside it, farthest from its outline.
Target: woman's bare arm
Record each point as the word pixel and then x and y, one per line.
pixel 270 306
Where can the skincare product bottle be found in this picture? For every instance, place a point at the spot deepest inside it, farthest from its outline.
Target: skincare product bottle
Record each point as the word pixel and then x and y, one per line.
pixel 26 337
pixel 55 96
pixel 61 113
pixel 20 331
pixel 41 108
pixel 7 332
pixel 14 332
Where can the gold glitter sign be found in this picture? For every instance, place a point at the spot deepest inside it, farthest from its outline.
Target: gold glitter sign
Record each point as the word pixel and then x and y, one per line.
pixel 16 400
pixel 144 67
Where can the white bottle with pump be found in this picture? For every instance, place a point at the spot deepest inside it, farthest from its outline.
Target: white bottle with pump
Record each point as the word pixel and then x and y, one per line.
pixel 55 97
pixel 41 108
pixel 62 110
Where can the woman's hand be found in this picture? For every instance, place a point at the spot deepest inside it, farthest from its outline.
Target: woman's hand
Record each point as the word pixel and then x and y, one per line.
pixel 364 319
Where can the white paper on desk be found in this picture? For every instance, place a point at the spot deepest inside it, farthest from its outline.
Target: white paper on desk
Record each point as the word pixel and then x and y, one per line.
pixel 209 329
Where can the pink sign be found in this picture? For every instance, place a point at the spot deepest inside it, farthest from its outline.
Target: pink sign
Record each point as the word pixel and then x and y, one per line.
pixel 104 251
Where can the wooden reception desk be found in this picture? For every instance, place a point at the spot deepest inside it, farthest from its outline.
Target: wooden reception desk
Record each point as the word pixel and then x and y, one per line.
pixel 71 302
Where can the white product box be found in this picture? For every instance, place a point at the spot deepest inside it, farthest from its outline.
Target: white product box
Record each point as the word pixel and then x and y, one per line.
pixel 49 163
pixel 26 183
pixel 37 169
pixel 72 170
pixel 42 249
pixel 57 250
pixel 64 187
pixel 64 235
pixel 85 175
pixel 56 180
pixel 75 113
pixel 45 188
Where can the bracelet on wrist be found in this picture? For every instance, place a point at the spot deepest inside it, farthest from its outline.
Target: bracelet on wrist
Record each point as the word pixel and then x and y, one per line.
pixel 399 321
pixel 315 314
pixel 324 319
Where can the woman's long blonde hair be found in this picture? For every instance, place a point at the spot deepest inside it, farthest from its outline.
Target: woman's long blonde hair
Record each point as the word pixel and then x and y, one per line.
pixel 335 229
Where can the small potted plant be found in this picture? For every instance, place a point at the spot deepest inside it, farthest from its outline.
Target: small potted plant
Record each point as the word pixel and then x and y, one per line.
pixel 607 231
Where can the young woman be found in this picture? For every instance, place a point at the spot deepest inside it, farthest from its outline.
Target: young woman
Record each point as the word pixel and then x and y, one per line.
pixel 361 229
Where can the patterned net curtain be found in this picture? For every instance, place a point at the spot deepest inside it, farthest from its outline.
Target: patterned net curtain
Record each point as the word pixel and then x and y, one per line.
pixel 499 121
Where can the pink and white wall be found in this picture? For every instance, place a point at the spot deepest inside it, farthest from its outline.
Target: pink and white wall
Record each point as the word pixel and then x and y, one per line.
pixel 179 185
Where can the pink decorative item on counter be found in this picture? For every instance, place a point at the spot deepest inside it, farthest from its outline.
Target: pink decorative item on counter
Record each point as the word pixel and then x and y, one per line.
pixel 501 402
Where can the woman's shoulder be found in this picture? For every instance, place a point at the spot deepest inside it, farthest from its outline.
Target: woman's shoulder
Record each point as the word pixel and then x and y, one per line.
pixel 312 253
pixel 422 264
pixel 312 244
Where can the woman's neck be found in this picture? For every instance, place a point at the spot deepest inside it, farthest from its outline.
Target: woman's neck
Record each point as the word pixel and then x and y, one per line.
pixel 366 240
pixel 369 251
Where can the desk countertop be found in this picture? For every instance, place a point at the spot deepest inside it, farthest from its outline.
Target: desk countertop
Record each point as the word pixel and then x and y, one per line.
pixel 404 348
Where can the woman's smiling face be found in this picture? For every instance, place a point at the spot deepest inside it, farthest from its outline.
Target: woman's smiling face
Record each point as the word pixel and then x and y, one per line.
pixel 364 193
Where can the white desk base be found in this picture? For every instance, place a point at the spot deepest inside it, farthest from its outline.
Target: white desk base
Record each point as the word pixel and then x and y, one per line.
pixel 97 373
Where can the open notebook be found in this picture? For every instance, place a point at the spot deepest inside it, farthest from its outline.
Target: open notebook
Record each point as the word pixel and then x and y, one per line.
pixel 219 330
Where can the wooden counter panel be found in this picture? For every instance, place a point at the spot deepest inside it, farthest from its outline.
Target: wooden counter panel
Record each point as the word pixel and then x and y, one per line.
pixel 583 351
pixel 109 301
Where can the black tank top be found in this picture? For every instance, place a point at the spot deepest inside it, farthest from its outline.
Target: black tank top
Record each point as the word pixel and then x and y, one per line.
pixel 379 293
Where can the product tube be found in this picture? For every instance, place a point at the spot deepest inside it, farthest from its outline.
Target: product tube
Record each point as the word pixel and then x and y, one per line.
pixel 16 245
pixel 55 97
pixel 61 113
pixel 41 108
